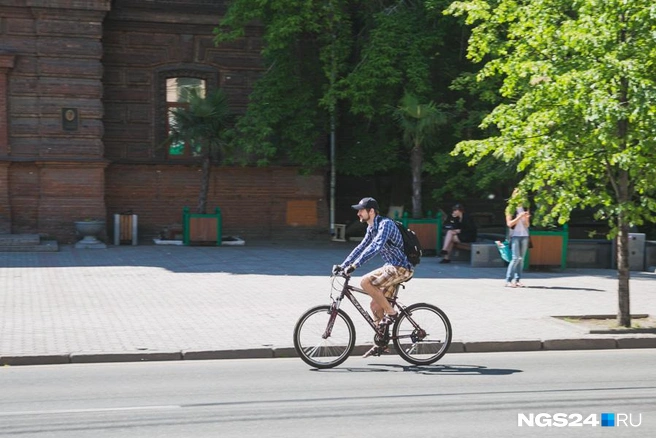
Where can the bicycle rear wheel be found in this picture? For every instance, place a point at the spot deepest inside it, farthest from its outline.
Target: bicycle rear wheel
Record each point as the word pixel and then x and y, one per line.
pixel 314 347
pixel 422 334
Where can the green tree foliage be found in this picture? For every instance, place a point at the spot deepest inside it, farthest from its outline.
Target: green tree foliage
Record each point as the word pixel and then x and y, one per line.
pixel 204 124
pixel 354 60
pixel 420 123
pixel 305 46
pixel 491 176
pixel 578 115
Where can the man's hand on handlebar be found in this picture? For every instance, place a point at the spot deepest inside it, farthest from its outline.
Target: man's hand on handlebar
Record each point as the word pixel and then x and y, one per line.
pixel 337 269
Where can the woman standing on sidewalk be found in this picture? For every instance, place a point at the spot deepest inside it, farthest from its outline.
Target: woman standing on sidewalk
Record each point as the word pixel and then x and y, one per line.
pixel 518 224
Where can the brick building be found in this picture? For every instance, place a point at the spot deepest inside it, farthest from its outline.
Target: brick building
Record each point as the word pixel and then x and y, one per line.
pixel 85 88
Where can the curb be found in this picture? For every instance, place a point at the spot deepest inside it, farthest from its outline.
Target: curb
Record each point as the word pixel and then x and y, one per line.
pixel 288 352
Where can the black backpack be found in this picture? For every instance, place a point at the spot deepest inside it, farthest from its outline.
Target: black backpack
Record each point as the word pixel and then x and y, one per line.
pixel 411 245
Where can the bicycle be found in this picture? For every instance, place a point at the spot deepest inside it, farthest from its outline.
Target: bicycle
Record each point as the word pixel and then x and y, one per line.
pixel 324 336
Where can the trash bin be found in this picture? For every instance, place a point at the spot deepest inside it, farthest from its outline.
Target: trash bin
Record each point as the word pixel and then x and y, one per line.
pixel 125 228
pixel 636 252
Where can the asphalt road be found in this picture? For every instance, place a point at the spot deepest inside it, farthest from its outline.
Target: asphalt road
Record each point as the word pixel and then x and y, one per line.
pixel 473 395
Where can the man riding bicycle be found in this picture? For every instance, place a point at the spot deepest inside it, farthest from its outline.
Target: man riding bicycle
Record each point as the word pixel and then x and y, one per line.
pixel 324 336
pixel 384 238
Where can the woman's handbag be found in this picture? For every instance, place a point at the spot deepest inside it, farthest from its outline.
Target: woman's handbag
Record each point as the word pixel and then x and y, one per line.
pixel 504 250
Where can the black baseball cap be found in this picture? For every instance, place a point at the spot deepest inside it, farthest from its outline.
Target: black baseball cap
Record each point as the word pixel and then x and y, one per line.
pixel 366 203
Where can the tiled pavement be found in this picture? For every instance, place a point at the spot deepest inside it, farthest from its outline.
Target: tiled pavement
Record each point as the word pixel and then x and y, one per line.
pixel 154 302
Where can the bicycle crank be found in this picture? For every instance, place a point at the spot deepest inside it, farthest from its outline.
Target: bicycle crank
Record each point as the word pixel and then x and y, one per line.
pixel 382 340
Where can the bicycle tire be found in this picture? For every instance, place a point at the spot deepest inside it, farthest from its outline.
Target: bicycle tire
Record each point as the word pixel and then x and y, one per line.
pixel 310 344
pixel 420 348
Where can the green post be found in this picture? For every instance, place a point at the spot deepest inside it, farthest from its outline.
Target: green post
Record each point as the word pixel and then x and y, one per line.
pixel 185 225
pixel 563 260
pixel 219 226
pixel 438 216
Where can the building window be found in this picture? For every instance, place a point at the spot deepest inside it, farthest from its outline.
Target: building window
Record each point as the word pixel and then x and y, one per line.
pixel 177 96
pixel 173 85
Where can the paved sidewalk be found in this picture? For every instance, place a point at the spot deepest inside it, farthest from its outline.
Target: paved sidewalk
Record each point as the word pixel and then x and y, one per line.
pixel 153 302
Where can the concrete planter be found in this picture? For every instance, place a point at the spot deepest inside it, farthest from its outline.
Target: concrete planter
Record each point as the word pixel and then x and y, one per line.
pixel 90 230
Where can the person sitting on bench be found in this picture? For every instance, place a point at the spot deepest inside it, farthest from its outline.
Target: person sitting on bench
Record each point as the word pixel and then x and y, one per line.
pixel 461 228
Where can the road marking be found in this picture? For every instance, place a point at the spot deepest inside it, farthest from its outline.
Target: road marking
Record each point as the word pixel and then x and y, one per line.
pixel 89 410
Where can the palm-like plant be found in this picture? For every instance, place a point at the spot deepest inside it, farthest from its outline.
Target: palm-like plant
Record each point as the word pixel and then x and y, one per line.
pixel 419 123
pixel 202 125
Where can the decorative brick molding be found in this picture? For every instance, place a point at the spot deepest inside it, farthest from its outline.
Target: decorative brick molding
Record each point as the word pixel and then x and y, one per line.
pixel 52 61
pixel 87 5
pixel 5 205
pixel 6 64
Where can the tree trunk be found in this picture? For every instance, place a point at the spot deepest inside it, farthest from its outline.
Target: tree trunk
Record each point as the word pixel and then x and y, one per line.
pixel 624 198
pixel 416 162
pixel 623 271
pixel 624 312
pixel 204 185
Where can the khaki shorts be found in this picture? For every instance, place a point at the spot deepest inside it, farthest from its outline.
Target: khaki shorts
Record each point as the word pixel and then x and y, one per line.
pixel 388 277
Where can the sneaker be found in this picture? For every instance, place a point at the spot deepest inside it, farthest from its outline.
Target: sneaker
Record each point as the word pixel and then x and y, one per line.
pixel 388 320
pixel 375 351
pixel 445 261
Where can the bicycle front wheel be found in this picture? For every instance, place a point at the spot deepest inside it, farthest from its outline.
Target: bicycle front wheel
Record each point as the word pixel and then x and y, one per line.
pixel 422 334
pixel 316 344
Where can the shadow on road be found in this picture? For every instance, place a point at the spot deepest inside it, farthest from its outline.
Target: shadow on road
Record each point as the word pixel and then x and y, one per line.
pixel 587 289
pixel 428 370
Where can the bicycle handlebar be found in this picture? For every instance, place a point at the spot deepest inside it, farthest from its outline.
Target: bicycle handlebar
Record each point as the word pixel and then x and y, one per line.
pixel 345 272
pixel 337 270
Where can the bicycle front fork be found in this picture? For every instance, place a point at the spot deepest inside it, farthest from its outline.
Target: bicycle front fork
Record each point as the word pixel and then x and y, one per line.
pixel 334 308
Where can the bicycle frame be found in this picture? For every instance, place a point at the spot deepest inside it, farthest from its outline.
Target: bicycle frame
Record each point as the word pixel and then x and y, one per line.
pixel 347 291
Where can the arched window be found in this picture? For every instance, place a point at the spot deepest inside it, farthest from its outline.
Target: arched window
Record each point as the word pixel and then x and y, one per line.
pixel 177 96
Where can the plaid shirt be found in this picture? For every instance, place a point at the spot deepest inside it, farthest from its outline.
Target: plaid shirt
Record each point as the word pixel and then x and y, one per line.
pixel 382 237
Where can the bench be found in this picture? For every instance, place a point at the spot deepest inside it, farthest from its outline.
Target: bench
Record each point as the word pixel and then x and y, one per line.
pixel 481 254
pixel 461 251
pixel 484 238
pixel 486 255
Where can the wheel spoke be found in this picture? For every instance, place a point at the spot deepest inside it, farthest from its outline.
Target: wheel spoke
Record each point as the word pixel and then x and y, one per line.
pixel 314 347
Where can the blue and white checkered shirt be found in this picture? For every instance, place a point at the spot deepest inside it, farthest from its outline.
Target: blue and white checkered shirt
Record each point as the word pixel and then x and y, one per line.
pixel 382 237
